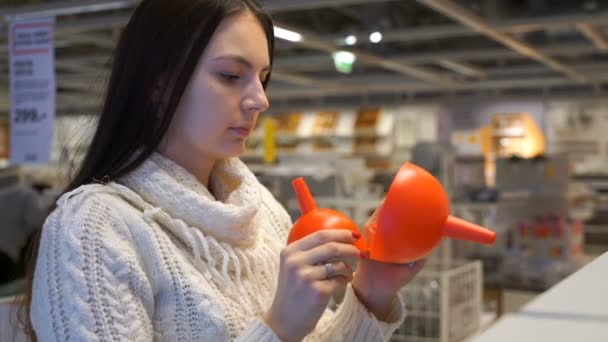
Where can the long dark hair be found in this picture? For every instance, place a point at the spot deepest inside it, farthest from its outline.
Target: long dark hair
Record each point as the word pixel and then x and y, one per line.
pixel 156 55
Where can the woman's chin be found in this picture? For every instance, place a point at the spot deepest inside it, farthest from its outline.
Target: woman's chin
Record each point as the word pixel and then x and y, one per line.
pixel 234 151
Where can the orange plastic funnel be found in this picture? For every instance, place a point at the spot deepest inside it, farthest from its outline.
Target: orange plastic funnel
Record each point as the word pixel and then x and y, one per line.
pixel 314 219
pixel 414 217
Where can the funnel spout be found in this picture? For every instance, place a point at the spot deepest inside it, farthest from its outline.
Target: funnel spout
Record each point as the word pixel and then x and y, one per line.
pixel 305 199
pixel 462 230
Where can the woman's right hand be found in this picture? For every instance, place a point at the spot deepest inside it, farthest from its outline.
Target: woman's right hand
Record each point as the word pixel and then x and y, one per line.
pixel 304 285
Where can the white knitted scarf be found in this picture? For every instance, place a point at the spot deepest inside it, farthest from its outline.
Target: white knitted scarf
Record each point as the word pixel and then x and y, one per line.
pixel 227 217
pixel 223 232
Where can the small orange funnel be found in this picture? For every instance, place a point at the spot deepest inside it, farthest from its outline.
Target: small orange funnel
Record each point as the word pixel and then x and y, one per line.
pixel 314 218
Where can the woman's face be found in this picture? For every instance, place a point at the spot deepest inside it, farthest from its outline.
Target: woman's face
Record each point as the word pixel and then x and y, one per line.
pixel 224 97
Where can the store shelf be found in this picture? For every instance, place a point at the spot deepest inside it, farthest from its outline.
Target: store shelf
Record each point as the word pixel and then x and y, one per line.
pixel 590 176
pixel 595 249
pixel 596 228
pixel 597 236
pixel 596 181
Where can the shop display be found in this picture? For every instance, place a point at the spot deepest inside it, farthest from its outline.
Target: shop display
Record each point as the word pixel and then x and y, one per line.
pixel 545 250
pixel 368 133
pixel 538 243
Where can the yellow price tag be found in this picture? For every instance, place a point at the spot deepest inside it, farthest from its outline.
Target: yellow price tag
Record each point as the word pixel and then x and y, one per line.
pixel 270 143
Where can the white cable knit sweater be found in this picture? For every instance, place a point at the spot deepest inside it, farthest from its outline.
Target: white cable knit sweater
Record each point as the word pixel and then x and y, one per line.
pixel 157 257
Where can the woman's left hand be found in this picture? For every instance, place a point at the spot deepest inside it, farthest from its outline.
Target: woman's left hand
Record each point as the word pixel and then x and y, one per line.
pixel 376 283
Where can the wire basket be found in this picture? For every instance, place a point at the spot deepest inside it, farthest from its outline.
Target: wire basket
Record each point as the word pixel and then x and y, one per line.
pixel 443 302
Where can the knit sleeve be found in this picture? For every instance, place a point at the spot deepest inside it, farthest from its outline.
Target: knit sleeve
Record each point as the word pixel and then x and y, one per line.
pixel 88 284
pixel 257 331
pixel 352 322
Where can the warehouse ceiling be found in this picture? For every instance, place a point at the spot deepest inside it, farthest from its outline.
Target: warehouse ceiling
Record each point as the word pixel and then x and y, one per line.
pixel 430 49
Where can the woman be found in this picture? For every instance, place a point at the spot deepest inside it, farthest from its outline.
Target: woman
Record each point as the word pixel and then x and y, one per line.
pixel 165 235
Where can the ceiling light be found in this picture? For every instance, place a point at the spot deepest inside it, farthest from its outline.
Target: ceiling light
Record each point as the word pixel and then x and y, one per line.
pixel 344 61
pixel 287 35
pixel 375 37
pixel 351 40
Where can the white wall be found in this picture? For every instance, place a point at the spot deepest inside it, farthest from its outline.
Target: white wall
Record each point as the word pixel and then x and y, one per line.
pixel 580 130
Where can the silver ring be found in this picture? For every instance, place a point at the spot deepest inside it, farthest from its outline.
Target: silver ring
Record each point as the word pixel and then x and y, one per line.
pixel 329 270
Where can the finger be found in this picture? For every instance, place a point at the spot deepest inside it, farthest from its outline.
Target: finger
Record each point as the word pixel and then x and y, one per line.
pixel 324 236
pixel 331 270
pixel 332 285
pixel 330 251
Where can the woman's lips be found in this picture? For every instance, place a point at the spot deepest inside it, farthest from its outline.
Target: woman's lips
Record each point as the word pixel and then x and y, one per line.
pixel 242 132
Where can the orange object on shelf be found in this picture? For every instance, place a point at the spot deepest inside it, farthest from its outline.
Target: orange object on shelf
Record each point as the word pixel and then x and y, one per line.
pixel 542 232
pixel 367 118
pixel 288 122
pixel 324 130
pixel 411 221
pixel 516 134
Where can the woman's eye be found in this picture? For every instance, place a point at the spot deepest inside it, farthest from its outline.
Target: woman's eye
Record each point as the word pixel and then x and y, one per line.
pixel 229 77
